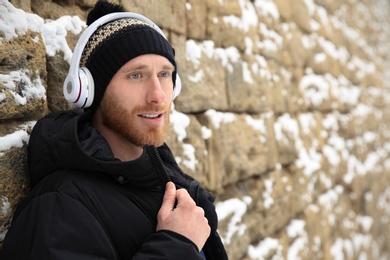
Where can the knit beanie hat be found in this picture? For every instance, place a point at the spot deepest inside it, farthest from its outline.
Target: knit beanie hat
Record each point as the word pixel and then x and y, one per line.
pixel 115 43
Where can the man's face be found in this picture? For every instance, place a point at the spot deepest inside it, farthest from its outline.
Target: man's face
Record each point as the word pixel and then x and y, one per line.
pixel 137 101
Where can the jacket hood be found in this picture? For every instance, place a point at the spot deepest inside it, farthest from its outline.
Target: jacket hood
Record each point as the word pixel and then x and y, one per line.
pixel 66 140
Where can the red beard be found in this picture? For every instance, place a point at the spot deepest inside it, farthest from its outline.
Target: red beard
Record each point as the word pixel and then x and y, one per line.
pixel 125 122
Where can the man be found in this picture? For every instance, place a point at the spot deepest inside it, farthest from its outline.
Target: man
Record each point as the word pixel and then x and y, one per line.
pixel 104 183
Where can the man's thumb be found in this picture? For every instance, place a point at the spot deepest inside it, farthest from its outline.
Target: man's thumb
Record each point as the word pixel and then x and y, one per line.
pixel 169 197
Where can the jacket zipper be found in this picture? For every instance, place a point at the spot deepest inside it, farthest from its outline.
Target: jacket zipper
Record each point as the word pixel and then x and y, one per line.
pixel 158 162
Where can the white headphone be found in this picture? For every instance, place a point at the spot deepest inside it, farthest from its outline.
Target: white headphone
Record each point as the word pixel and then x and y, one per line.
pixel 79 87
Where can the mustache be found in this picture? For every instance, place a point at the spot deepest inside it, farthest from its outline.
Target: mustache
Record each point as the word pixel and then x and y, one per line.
pixel 151 108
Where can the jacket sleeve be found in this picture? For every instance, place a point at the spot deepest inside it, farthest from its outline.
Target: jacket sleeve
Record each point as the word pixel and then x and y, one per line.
pixel 166 244
pixel 55 226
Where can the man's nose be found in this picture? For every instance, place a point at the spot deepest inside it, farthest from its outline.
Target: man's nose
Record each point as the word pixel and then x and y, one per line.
pixel 155 92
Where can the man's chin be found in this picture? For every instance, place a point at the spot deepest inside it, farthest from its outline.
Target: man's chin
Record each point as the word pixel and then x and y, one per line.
pixel 155 143
pixel 155 138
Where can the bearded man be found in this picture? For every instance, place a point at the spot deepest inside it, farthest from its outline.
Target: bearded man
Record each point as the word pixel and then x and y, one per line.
pixel 104 185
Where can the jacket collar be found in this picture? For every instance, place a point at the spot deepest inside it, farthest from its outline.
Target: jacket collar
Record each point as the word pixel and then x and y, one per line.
pixel 66 140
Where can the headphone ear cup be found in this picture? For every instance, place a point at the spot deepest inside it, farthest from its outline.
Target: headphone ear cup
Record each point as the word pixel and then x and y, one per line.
pixel 177 89
pixel 87 88
pixel 71 88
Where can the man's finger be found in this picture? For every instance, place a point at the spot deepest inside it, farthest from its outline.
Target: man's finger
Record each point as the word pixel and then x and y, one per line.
pixel 169 198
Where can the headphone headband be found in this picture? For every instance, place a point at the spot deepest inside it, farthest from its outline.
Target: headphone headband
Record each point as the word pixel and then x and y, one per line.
pixel 79 96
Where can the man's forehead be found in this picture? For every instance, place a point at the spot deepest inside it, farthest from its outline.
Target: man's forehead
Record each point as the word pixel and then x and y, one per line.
pixel 147 61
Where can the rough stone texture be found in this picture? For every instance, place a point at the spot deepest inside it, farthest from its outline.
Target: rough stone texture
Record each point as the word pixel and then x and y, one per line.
pixel 25 56
pixel 284 115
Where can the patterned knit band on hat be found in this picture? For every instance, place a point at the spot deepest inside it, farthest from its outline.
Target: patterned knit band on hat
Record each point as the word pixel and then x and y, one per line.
pixel 117 42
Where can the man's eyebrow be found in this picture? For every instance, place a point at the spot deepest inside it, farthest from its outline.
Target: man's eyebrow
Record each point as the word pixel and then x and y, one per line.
pixel 141 67
pixel 169 67
pixel 136 67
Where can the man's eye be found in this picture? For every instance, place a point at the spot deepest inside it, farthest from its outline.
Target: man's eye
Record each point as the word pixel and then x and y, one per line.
pixel 135 75
pixel 164 74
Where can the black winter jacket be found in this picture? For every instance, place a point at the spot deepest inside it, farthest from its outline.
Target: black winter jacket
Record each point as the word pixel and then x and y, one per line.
pixel 85 204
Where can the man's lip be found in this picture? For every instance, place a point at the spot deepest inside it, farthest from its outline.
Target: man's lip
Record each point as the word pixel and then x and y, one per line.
pixel 151 115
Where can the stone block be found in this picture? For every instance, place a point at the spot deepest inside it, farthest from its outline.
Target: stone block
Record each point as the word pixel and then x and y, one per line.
pixel 23 77
pixel 189 146
pixel 196 14
pixel 203 79
pixel 246 156
pixel 225 25
pixel 168 14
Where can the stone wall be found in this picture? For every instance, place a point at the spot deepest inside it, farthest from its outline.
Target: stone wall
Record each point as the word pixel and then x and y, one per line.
pixel 284 114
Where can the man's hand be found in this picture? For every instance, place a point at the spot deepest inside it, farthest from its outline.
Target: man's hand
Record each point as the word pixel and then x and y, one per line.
pixel 186 218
